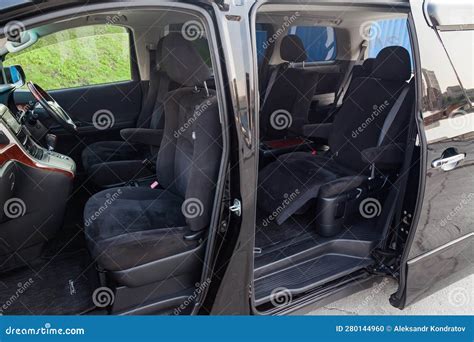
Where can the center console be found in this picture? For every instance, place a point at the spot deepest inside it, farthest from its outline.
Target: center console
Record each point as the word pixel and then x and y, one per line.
pixel 35 185
pixel 16 143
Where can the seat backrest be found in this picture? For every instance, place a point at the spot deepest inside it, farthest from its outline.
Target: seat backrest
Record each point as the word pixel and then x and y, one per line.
pixel 289 93
pixel 190 152
pixel 358 123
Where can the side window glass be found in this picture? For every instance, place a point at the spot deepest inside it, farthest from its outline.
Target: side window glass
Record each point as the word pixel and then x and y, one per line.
pixel 77 57
pixel 388 32
pixel 319 42
pixel 262 43
pixel 460 47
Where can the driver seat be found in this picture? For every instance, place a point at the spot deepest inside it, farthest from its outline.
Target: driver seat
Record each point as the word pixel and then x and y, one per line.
pixel 109 163
pixel 138 233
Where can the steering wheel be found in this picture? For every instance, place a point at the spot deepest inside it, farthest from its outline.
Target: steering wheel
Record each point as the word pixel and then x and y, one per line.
pixel 54 110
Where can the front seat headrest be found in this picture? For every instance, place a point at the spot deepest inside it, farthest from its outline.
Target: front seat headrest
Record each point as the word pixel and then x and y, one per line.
pixel 292 49
pixel 392 63
pixel 182 62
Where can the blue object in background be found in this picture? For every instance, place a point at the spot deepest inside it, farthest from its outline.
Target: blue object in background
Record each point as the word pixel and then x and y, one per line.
pixel 389 32
pixel 319 42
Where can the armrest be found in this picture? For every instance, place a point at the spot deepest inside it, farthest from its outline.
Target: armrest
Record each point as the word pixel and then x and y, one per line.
pixel 385 156
pixel 318 130
pixel 146 136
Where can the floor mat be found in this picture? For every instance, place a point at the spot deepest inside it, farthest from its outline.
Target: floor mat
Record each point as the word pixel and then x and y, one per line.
pixel 60 285
pixel 269 233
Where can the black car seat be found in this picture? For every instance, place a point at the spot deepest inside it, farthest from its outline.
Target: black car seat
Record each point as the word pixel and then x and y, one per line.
pixel 290 89
pixel 368 134
pixel 115 162
pixel 136 232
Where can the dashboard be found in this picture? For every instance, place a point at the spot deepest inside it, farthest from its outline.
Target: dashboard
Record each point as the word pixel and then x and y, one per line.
pixel 10 120
pixel 17 144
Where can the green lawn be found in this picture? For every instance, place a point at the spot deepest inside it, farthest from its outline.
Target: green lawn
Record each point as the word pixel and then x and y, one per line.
pixel 76 57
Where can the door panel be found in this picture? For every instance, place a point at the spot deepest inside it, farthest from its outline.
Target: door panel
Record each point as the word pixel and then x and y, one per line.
pixel 99 111
pixel 440 247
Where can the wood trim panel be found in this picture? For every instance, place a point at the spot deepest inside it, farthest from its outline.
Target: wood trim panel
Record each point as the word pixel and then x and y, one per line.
pixel 15 152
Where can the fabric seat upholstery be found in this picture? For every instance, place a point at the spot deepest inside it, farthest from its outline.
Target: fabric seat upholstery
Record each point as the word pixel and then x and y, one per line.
pixel 289 93
pixel 130 226
pixel 357 127
pixel 114 162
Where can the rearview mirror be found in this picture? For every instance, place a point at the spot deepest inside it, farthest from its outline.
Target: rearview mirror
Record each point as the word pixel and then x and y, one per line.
pixel 14 75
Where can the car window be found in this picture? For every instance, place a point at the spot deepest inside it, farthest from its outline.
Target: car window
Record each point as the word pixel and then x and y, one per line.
pixel 262 43
pixel 460 47
pixel 388 32
pixel 319 42
pixel 77 57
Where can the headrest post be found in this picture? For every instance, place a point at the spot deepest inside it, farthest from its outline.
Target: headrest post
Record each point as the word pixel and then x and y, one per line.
pixel 206 89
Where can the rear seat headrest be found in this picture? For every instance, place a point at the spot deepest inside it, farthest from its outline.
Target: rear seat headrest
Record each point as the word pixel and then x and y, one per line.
pixel 182 62
pixel 392 63
pixel 368 65
pixel 292 49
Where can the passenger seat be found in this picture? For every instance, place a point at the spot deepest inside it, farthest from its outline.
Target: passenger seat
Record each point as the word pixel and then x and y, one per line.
pixel 285 104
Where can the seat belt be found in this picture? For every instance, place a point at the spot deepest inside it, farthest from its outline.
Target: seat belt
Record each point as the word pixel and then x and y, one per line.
pixel 270 84
pixel 163 89
pixel 390 119
pixel 348 76
pixel 392 114
pixel 149 103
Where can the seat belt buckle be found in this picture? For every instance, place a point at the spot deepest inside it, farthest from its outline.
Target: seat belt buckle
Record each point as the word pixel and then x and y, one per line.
pixel 154 185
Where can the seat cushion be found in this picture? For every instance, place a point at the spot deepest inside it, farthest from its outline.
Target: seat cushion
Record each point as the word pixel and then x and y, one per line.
pixel 113 162
pixel 118 172
pixel 130 226
pixel 294 179
pixel 108 151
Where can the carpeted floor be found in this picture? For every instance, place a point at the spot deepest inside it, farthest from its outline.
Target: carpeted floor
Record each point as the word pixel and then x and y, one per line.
pixel 55 286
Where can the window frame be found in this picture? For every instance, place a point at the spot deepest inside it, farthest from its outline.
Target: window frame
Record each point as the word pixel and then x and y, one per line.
pixel 133 59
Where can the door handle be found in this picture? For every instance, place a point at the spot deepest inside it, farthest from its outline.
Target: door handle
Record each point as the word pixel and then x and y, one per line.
pixel 448 163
